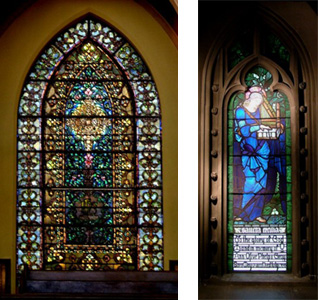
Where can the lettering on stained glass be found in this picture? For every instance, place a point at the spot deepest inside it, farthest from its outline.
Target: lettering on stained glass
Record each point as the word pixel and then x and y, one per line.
pixel 259 248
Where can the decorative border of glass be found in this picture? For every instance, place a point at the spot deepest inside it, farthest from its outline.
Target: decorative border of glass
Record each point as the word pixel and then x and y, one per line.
pixel 51 116
pixel 259 177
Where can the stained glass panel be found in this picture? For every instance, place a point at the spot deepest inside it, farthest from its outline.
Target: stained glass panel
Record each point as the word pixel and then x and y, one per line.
pixel 259 177
pixel 89 156
pixel 273 47
pixel 240 48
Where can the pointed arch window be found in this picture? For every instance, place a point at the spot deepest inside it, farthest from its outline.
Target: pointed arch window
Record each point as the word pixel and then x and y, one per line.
pixel 259 169
pixel 89 156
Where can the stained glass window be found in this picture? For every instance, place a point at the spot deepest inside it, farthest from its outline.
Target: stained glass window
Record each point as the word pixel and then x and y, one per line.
pixel 240 48
pixel 89 156
pixel 272 47
pixel 259 177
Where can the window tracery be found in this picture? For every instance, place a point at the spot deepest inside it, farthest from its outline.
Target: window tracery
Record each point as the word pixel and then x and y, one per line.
pixel 89 156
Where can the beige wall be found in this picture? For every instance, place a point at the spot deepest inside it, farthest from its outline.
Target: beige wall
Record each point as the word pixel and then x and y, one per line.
pixel 19 46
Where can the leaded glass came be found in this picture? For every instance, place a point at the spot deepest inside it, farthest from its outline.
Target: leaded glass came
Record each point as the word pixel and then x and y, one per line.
pixel 89 157
pixel 259 177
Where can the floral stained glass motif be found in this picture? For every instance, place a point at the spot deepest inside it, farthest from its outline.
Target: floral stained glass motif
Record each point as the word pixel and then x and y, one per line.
pixel 89 157
pixel 259 177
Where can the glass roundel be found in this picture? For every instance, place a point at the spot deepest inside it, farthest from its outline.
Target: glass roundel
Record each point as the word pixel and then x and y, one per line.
pixel 89 157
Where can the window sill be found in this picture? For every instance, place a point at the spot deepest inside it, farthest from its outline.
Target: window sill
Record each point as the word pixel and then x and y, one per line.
pixel 257 278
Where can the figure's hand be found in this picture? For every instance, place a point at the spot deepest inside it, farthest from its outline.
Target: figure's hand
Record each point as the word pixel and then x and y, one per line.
pixel 264 127
pixel 282 128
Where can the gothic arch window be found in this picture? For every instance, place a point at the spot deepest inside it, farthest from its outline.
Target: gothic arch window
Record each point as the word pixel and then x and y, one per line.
pixel 253 180
pixel 89 156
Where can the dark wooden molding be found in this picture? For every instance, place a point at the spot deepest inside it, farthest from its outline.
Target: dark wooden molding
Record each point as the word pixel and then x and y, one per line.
pixel 115 283
pixel 5 276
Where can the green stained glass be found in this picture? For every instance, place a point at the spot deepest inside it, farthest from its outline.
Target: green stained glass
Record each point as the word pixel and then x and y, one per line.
pixel 89 156
pixel 230 108
pixel 241 48
pixel 234 102
pixel 273 47
pixel 289 188
pixel 289 178
pixel 289 251
pixel 258 76
pixel 230 135
pixel 230 148
pixel 289 226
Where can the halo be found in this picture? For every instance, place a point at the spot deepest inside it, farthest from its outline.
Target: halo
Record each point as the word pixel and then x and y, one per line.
pixel 254 89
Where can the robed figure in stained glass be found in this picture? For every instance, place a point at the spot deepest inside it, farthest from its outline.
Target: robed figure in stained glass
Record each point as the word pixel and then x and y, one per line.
pixel 259 175
pixel 258 142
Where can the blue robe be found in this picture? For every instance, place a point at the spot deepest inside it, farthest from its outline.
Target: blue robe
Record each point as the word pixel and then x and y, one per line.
pixel 255 159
